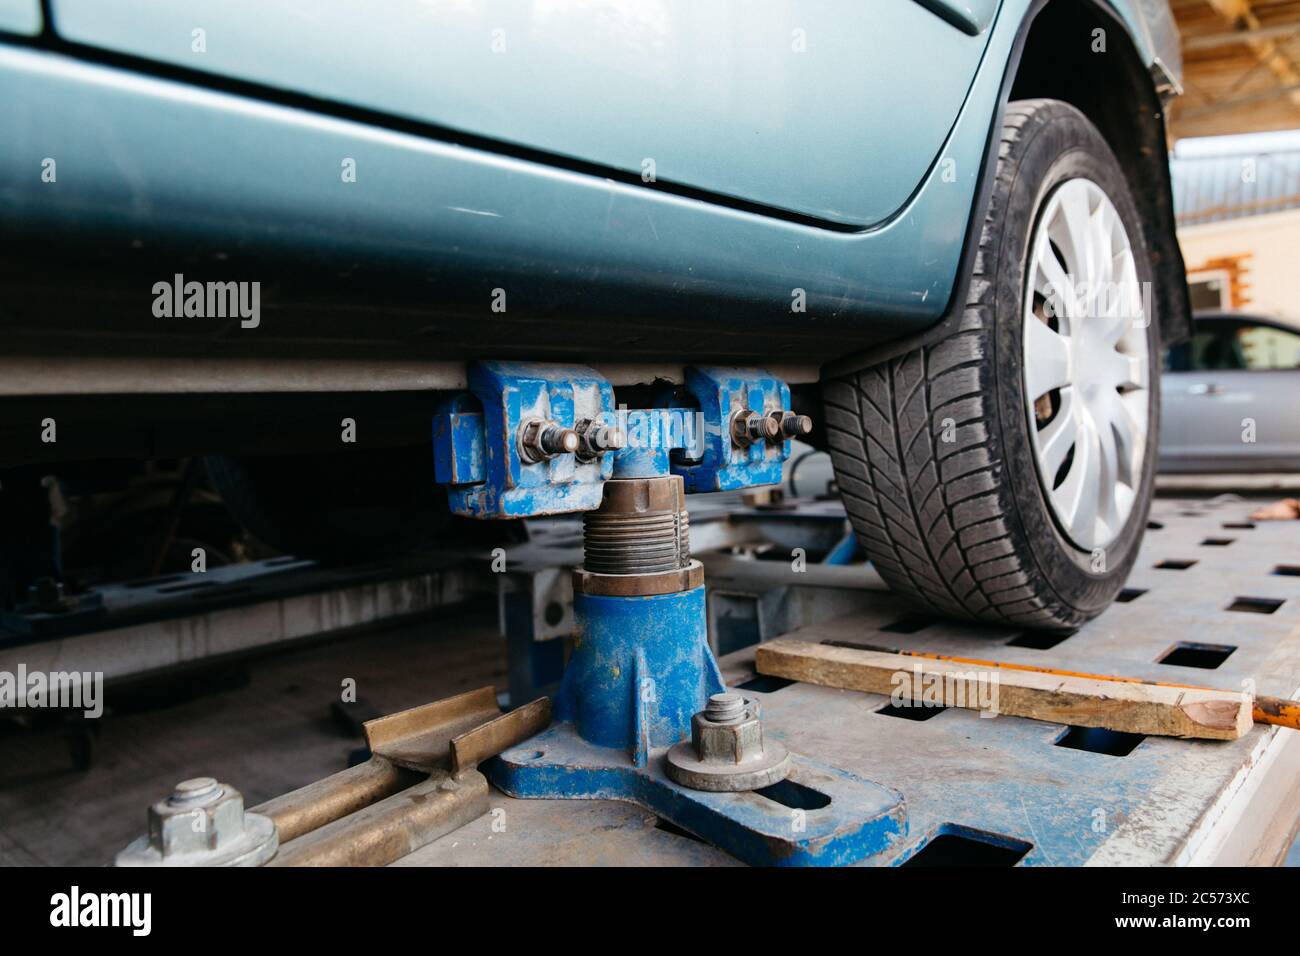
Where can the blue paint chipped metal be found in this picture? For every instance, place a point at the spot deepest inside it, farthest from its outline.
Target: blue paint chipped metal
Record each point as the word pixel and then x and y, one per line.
pixel 725 466
pixel 510 393
pixel 653 435
pixel 641 666
pixel 459 442
pixel 476 446
pixel 861 821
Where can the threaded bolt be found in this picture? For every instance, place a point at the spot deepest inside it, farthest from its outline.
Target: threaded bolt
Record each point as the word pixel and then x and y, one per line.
pixel 540 439
pixel 556 440
pixel 792 425
pixel 748 428
pixel 725 708
pixel 596 439
pixel 197 791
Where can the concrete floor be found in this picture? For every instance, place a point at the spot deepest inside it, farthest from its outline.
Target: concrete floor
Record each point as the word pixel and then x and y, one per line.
pixel 271 736
pixel 1265 485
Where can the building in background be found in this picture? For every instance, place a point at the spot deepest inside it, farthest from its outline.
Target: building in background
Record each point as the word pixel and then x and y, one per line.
pixel 1238 204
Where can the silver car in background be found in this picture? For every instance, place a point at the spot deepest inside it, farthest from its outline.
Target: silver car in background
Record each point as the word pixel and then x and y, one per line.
pixel 1231 397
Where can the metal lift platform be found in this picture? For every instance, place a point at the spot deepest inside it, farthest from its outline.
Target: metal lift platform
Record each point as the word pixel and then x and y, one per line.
pixel 1214 600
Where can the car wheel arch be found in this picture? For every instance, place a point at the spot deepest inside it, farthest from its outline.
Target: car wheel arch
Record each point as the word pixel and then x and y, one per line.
pixel 1136 135
pixel 1123 103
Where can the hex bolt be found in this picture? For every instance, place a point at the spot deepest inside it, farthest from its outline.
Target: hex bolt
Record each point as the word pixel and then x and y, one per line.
pixel 727 750
pixel 541 439
pixel 790 425
pixel 748 427
pixel 596 439
pixel 202 823
pixel 725 708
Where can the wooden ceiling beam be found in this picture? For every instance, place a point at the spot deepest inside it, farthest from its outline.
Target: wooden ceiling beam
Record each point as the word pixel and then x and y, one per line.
pixel 1240 14
pixel 1213 41
pixel 1237 102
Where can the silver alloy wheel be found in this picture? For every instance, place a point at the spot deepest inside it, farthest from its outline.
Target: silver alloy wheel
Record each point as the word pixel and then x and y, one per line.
pixel 1086 363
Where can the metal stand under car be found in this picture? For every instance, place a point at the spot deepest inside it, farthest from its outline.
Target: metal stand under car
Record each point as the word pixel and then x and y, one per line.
pixel 642 713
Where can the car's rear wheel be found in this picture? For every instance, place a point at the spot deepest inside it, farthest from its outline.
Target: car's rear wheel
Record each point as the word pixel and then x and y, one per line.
pixel 1004 473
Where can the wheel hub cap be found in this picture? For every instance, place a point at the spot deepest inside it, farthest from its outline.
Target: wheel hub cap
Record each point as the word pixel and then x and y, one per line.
pixel 1086 363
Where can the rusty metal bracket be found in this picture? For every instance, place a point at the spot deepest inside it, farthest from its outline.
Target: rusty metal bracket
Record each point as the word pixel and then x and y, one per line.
pixel 420 783
pixel 487 740
pixel 388 830
pixel 420 738
pixel 338 795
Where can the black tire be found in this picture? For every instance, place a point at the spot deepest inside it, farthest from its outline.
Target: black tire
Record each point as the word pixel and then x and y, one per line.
pixel 338 507
pixel 963 527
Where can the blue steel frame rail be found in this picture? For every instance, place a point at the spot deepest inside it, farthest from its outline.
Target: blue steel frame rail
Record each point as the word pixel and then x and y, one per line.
pixel 641 667
pixel 862 819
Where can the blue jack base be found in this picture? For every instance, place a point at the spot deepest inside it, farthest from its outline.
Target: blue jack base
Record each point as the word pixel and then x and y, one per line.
pixel 818 816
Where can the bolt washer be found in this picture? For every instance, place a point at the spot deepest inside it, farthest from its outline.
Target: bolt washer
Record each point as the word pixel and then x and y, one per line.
pixel 244 839
pixel 730 754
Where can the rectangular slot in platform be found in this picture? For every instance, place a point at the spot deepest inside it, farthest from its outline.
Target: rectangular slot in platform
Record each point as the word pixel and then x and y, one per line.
pixel 765 684
pixel 1256 605
pixel 1191 654
pixel 1098 740
pixel 794 795
pixel 909 624
pixel 1038 640
pixel 910 711
pixel 955 845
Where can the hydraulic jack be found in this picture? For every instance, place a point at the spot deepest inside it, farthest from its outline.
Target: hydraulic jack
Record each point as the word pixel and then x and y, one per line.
pixel 643 714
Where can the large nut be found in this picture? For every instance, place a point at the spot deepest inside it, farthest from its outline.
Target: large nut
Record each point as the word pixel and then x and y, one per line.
pixel 727 751
pixel 202 823
pixel 200 815
pixel 730 743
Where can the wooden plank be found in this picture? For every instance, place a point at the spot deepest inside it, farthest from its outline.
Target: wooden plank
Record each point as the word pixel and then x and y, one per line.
pixel 1120 706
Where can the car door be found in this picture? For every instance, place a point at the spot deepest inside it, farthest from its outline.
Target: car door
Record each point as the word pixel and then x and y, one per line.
pixel 728 98
pixel 1231 398
pixel 22 17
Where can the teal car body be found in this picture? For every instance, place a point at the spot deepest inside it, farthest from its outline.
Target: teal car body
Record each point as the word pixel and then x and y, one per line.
pixel 765 180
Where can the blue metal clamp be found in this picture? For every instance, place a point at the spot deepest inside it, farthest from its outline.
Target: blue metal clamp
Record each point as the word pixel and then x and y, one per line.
pixel 722 393
pixel 476 441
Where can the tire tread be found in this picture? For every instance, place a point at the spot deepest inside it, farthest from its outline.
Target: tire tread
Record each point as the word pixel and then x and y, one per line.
pixel 933 515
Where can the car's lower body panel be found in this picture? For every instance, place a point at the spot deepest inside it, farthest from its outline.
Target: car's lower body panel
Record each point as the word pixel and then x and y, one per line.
pixel 156 177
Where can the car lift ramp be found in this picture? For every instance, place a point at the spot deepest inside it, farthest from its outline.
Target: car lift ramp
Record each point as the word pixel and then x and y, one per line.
pixel 1214 600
